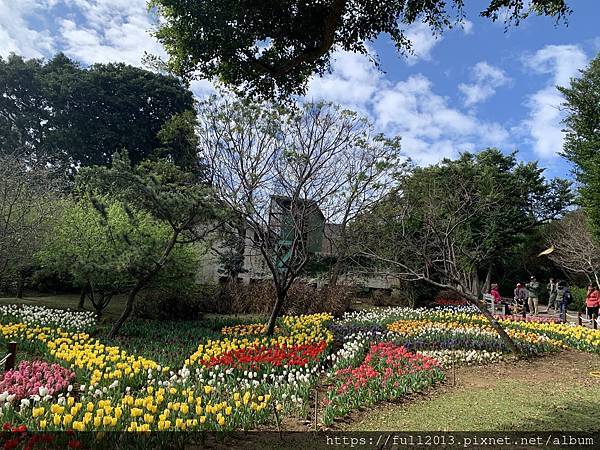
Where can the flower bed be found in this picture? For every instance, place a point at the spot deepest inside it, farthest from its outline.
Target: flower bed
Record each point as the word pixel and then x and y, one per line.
pixel 425 334
pixel 449 302
pixel 387 372
pixel 247 329
pixel 65 319
pixel 463 357
pixel 35 379
pixel 258 357
pixel 234 380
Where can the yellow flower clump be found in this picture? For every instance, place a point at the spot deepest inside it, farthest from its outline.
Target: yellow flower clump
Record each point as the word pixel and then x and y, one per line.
pixel 174 409
pixel 247 329
pixel 306 329
pixel 82 352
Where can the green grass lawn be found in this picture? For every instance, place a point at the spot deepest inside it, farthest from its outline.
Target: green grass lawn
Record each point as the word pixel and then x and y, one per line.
pixel 510 405
pixel 539 398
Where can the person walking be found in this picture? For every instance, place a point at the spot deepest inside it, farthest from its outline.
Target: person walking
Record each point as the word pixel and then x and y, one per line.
pixel 564 296
pixel 592 301
pixel 552 295
pixel 533 290
pixel 520 296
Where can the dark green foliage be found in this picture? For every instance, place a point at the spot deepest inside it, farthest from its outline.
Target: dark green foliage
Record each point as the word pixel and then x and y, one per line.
pixel 454 221
pixel 59 112
pixel 105 249
pixel 161 304
pixel 272 47
pixel 579 295
pixel 184 208
pixel 582 142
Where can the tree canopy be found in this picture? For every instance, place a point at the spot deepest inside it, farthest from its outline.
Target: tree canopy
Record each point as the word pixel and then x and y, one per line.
pixel 582 140
pixel 272 47
pixel 104 246
pixel 173 197
pixel 69 116
pixel 28 205
pixel 453 221
pixel 284 173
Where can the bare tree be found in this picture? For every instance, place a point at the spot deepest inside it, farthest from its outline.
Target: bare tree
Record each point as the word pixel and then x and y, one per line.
pixel 284 173
pixel 575 250
pixel 27 204
pixel 424 233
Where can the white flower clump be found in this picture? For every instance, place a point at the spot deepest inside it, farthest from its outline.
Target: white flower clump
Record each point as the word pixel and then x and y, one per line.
pixel 49 317
pixel 382 315
pixel 393 313
pixel 355 348
pixel 463 357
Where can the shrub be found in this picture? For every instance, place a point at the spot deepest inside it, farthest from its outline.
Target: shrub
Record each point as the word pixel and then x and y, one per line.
pixel 578 301
pixel 164 304
pixel 302 298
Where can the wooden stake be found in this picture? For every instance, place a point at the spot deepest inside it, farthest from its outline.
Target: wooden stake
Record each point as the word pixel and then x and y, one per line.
pixel 277 420
pixel 11 357
pixel 316 407
pixel 453 372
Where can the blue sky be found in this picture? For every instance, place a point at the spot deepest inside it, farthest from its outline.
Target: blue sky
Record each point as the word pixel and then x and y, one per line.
pixel 473 87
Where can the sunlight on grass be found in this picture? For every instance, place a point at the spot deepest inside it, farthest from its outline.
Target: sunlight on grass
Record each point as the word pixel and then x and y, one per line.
pixel 509 405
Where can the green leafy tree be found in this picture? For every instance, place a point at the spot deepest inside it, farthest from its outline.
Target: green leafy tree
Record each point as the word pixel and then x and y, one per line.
pixel 450 223
pixel 70 116
pixel 171 196
pixel 22 106
pixel 104 247
pixel 272 47
pixel 582 141
pixel 28 205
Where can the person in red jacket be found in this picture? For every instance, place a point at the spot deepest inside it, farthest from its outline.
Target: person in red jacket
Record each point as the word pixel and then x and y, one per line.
pixel 592 301
pixel 494 293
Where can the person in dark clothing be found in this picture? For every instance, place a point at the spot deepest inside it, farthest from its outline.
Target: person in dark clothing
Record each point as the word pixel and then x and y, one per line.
pixel 564 297
pixel 520 297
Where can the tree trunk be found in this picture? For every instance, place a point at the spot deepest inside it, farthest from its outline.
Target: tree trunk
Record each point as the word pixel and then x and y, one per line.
pixel 495 325
pixel 488 280
pixel 140 283
pixel 340 256
pixel 82 297
pixel 20 284
pixel 475 282
pixel 127 311
pixel 281 294
pixel 334 275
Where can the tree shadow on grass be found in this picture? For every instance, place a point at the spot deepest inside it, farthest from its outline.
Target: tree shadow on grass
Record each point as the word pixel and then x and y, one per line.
pixel 577 414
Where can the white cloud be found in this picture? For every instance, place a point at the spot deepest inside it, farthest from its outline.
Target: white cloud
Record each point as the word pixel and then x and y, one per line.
pixel 352 83
pixel 486 79
pixel 112 30
pixel 16 33
pixel 88 30
pixel 561 62
pixel 423 41
pixel 431 129
pixel 467 26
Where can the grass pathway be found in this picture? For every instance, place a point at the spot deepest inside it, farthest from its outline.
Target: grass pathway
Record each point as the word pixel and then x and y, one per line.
pixel 546 394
